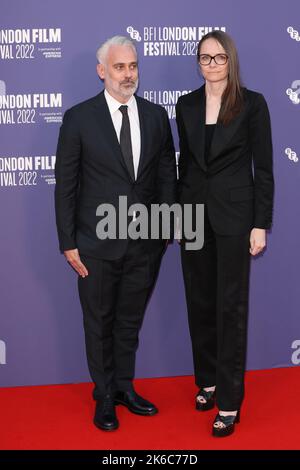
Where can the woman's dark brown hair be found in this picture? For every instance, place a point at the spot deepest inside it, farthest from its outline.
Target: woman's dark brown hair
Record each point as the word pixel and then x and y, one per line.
pixel 232 98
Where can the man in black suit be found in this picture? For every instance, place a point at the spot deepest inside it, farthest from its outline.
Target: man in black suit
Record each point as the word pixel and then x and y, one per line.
pixel 115 144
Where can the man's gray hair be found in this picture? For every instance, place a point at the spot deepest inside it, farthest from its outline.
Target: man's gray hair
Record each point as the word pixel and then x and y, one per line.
pixel 114 41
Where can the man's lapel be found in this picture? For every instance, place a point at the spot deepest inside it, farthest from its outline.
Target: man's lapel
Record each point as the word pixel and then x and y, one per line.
pixel 108 130
pixel 145 130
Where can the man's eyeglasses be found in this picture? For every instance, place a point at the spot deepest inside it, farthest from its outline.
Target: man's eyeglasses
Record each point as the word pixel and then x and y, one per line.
pixel 220 59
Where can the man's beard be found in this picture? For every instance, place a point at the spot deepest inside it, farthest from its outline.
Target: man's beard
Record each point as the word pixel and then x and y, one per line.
pixel 121 89
pixel 128 87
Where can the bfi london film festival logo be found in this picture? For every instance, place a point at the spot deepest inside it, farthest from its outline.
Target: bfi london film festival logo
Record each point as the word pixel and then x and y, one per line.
pixel 294 91
pixel 29 108
pixel 292 156
pixel 26 171
pixel 23 171
pixel 294 34
pixel 166 98
pixel 170 40
pixel 296 354
pixel 2 352
pixel 28 44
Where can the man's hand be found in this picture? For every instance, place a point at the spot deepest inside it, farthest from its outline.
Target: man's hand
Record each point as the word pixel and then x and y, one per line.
pixel 73 258
pixel 257 240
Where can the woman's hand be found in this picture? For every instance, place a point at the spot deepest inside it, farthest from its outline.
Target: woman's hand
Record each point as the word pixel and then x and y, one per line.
pixel 257 240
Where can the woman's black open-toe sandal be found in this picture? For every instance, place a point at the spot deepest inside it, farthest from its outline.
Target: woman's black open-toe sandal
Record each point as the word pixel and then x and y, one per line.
pixel 228 422
pixel 209 397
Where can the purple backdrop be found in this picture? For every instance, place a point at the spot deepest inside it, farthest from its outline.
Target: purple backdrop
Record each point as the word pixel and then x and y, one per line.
pixel 47 59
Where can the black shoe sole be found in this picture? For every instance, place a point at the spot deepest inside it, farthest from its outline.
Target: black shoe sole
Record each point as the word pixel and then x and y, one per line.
pixel 204 406
pixel 137 412
pixel 106 428
pixel 223 432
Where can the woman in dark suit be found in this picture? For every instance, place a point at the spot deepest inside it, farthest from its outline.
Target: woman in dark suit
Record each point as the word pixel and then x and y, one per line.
pixel 226 164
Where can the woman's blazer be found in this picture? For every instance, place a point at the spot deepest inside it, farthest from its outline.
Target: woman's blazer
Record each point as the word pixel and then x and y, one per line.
pixel 237 183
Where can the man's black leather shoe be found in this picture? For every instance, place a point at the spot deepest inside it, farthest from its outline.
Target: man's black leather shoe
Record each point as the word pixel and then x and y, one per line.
pixel 105 414
pixel 135 403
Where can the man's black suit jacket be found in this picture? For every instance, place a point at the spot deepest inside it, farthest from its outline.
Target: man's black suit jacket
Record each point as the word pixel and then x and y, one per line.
pixel 236 199
pixel 90 170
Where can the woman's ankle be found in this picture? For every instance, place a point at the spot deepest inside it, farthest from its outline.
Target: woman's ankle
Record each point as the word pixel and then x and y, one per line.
pixel 228 413
pixel 210 389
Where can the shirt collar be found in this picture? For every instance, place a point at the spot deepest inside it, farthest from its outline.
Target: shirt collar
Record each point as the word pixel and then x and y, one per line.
pixel 114 104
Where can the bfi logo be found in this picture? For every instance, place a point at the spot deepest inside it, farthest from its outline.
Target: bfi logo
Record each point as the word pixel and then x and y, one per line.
pixel 2 352
pixel 296 354
pixel 2 88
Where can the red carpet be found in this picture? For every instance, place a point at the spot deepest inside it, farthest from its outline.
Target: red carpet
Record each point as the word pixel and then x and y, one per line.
pixel 60 417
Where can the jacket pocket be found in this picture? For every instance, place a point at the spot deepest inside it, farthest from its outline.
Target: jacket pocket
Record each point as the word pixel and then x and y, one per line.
pixel 243 193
